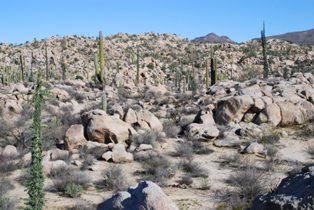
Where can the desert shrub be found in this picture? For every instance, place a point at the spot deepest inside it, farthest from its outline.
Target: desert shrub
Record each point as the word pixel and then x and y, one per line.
pixel 193 168
pixel 88 162
pixel 114 178
pixel 17 132
pixel 184 150
pixel 171 129
pixel 233 161
pixel 69 181
pixel 73 190
pixel 9 164
pixel 200 148
pixel 7 204
pixel 5 186
pixel 248 183
pixel 270 138
pixel 78 96
pixel 186 180
pixel 204 184
pixel 147 137
pixel 82 205
pixel 159 169
pixel 55 127
pixel 271 161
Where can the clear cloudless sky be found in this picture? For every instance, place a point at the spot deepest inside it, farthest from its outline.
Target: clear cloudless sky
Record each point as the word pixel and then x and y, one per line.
pixel 241 20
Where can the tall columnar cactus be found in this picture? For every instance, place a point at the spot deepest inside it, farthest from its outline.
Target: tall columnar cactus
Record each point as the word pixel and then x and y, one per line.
pixel 30 75
pixel 35 183
pixel 137 66
pixel 22 67
pixel 213 70
pixel 206 74
pixel 101 76
pixel 265 62
pixel 47 62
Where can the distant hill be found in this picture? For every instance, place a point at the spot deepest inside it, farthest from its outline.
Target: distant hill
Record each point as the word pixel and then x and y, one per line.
pixel 213 38
pixel 300 37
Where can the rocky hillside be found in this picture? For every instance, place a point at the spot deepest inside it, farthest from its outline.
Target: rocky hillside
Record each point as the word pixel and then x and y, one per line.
pixel 216 141
pixel 214 38
pixel 300 37
pixel 161 55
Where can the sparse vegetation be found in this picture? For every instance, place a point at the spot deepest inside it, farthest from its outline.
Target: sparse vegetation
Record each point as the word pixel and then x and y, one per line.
pixel 159 169
pixel 147 137
pixel 114 178
pixel 69 181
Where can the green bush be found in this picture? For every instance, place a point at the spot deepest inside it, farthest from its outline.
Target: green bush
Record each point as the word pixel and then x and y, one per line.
pixel 73 190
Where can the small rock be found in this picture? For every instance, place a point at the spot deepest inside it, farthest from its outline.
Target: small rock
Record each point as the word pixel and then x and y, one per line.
pixel 107 156
pixel 253 148
pixel 9 151
pixel 120 155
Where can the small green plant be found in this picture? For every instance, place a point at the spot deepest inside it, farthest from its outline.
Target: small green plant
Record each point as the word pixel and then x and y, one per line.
pixel 73 190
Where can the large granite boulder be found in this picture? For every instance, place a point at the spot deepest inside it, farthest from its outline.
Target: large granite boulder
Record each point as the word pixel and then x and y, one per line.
pixel 293 193
pixel 74 137
pixel 105 128
pixel 145 196
pixel 233 109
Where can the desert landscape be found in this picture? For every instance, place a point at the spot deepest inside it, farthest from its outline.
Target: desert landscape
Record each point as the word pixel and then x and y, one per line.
pixel 157 121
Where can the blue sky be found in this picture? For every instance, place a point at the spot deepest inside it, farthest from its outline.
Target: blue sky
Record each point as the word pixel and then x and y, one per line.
pixel 241 20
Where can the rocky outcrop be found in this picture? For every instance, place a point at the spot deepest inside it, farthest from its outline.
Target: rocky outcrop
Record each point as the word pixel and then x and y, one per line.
pixel 146 195
pixel 233 109
pixel 293 193
pixel 144 119
pixel 104 128
pixel 74 137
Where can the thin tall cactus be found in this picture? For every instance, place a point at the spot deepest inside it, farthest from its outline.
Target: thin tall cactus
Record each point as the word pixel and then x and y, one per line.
pixel 213 70
pixel 101 76
pixel 35 183
pixel 206 74
pixel 265 62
